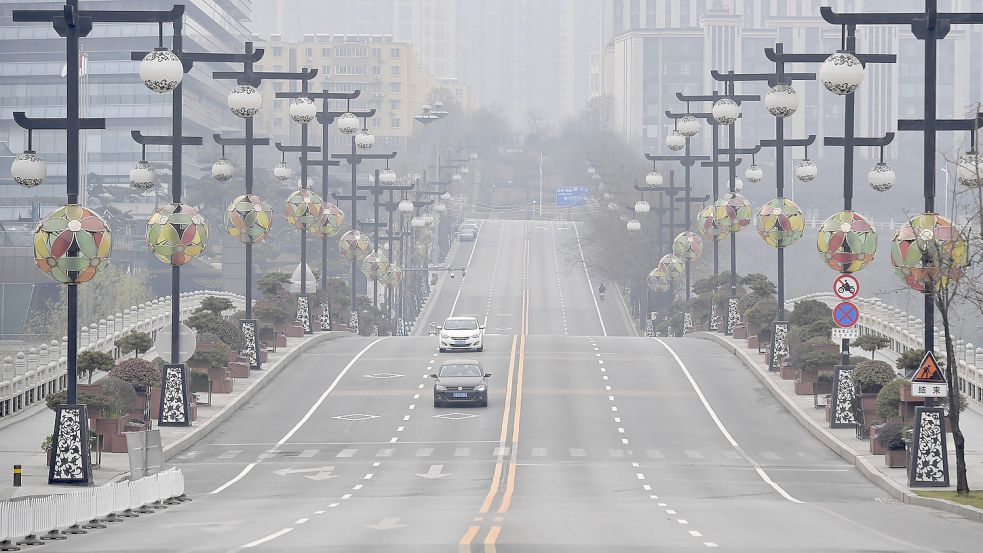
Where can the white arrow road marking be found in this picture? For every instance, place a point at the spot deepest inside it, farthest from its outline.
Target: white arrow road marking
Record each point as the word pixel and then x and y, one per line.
pixel 436 471
pixel 386 524
pixel 323 473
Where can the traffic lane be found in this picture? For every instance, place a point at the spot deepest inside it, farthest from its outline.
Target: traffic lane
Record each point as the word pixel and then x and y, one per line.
pixel 504 311
pixel 547 298
pixel 478 257
pixel 441 302
pixel 808 470
pixel 576 486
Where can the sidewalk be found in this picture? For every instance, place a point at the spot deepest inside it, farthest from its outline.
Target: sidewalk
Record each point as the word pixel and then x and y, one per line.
pixel 844 442
pixel 21 442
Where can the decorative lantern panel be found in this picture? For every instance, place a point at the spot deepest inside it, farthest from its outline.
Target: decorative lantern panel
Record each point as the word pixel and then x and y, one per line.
pixel 176 234
pixel 282 171
pixel 688 126
pixel 633 225
pixel 847 242
pixel 806 170
pixel 654 178
pixel 969 170
pixel 249 218
pixel 928 253
pixel 726 111
pixel 302 209
pixel 71 244
pixel 754 174
pixel 348 123
pixel 708 226
pixel 354 245
pixel 732 212
pixel 688 246
pixel 780 223
pixel 142 176
pixel 675 141
pixel 329 222
pixel 641 206
pixel 672 266
pixel 365 140
pixel 658 281
pixel 374 265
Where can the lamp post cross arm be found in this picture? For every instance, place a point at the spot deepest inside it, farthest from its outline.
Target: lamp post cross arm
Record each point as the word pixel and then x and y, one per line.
pixel 323 95
pixel 753 150
pixel 715 96
pixel 228 141
pixel 358 158
pixel 699 115
pixel 724 163
pixel 55 123
pixel 296 149
pixel 145 140
pixel 341 197
pixel 101 16
pixel 681 158
pixel 781 57
pixel 942 124
pixel 859 141
pixel 771 143
pixel 939 20
pixel 322 162
pixel 757 77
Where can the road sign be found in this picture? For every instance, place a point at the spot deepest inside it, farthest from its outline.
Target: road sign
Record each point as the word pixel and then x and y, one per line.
pixel 846 287
pixel 187 342
pixel 851 333
pixel 920 389
pixel 929 371
pixel 845 314
pixel 571 196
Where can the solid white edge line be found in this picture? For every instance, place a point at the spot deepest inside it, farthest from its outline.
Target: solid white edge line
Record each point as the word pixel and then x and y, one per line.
pixel 590 286
pixel 271 537
pixel 303 419
pixel 723 430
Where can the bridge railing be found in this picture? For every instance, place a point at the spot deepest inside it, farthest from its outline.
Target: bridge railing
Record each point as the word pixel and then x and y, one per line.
pixel 906 333
pixel 28 377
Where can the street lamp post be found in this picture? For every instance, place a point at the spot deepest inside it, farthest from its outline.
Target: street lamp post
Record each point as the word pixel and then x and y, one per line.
pixel 377 189
pixel 70 452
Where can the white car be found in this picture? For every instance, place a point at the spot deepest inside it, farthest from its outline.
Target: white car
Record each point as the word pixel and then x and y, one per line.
pixel 461 334
pixel 468 231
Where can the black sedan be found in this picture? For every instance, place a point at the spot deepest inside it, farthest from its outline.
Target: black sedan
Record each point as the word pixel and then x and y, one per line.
pixel 460 381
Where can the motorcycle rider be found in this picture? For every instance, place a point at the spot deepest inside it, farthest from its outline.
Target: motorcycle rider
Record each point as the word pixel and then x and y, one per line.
pixel 600 290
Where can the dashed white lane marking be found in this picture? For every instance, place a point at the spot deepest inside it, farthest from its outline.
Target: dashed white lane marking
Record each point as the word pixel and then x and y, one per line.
pixel 368 476
pixel 709 544
pixel 333 505
pixel 723 430
pixel 357 487
pixel 695 534
pixel 406 417
pixel 346 496
pixel 319 512
pixel 301 520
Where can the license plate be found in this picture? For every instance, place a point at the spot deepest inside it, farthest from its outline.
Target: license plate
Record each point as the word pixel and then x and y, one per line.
pixel 460 394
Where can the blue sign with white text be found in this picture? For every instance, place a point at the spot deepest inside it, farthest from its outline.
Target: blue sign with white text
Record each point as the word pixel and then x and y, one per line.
pixel 571 196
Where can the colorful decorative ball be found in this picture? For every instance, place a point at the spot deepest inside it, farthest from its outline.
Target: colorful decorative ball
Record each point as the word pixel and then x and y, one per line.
pixel 29 169
pixel 732 212
pixel 249 218
pixel 708 226
pixel 161 70
pixel 780 223
pixel 245 101
pixel 847 241
pixel 176 234
pixel 687 245
pixel 302 209
pixel 928 253
pixel 142 176
pixel 392 277
pixel 72 244
pixel 841 73
pixel 329 222
pixel 354 245
pixel 302 110
pixel 374 265
pixel 782 100
pixel 672 266
pixel 969 170
pixel 658 281
pixel 881 177
pixel 222 170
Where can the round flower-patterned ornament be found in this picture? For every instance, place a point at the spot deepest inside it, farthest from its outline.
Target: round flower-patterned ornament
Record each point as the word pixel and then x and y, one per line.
pixel 354 245
pixel 847 241
pixel 249 218
pixel 708 226
pixel 881 177
pixel 71 244
pixel 392 276
pixel 282 171
pixel 806 170
pixel 658 281
pixel 302 209
pixel 726 111
pixel 672 265
pixel 732 212
pixel 928 253
pixel 780 223
pixel 329 222
pixel 176 234
pixel 687 245
pixel 374 265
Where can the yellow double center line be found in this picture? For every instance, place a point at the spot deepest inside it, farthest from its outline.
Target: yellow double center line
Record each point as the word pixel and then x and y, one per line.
pixel 517 363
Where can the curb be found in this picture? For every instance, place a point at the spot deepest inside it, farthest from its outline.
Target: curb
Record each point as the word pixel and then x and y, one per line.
pixel 626 315
pixel 200 432
pixel 868 470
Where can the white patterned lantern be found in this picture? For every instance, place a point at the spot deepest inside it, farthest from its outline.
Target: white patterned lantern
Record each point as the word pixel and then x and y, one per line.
pixel 302 110
pixel 841 73
pixel 29 169
pixel 417 222
pixel 348 123
pixel 726 111
pixel 806 170
pixel 782 100
pixel 161 70
pixel 446 196
pixel 142 176
pixel 456 177
pixel 245 101
pixel 440 207
pixel 688 126
pixel 427 218
pixel 675 141
pixel 738 185
pixel 641 206
pixel 282 171
pixel 613 206
pixel 365 140
pixel 881 177
pixel 633 225
pixel 222 170
pixel 969 170
pixel 405 206
pixel 753 174
pixel 654 178
pixel 387 177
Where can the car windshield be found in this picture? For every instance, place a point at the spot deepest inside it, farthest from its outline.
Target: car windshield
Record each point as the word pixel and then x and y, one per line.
pixel 460 324
pixel 460 370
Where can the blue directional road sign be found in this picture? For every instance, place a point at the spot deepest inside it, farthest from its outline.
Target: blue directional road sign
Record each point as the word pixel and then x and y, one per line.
pixel 845 314
pixel 571 196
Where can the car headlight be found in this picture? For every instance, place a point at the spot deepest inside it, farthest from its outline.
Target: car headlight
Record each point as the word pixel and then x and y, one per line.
pixel 479 388
pixel 476 335
pixel 441 388
pixel 444 336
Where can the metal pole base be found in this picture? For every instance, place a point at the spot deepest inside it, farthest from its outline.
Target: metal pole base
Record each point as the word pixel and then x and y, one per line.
pixel 928 461
pixel 304 314
pixel 70 462
pixel 30 540
pixel 74 529
pixel 353 322
pixel 93 524
pixel 54 535
pixel 844 393
pixel 7 545
pixel 779 345
pixel 733 315
pixel 175 402
pixel 324 321
pixel 129 513
pixel 250 351
pixel 112 518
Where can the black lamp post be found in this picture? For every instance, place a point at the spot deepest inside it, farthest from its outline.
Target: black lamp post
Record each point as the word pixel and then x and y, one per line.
pixel 930 26
pixel 70 462
pixel 377 189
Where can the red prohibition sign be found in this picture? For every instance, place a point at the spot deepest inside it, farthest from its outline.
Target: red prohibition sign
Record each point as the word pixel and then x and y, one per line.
pixel 846 287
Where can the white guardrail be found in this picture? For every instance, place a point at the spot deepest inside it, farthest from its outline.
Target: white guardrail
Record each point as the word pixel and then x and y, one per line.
pixel 906 332
pixel 28 377
pixel 35 517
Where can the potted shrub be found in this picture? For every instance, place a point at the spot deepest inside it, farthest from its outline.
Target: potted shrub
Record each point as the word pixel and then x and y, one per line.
pixel 876 447
pixel 92 361
pixel 871 343
pixel 869 377
pixel 136 342
pixel 891 436
pixel 811 363
pixel 46 448
pixel 143 375
pixel 888 399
